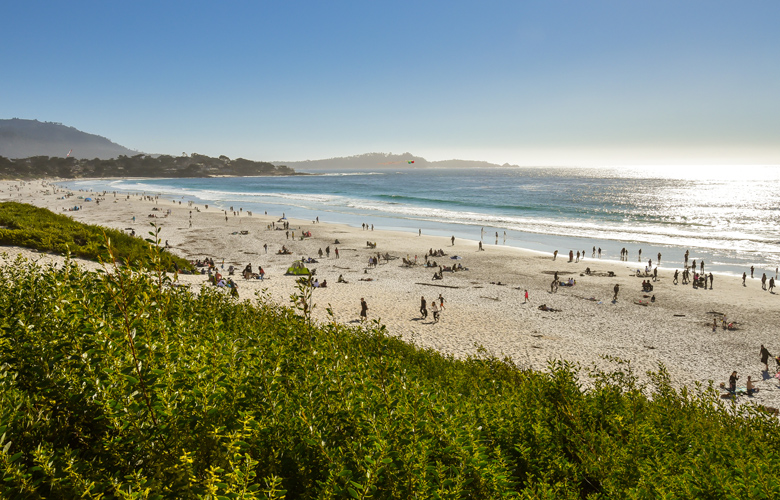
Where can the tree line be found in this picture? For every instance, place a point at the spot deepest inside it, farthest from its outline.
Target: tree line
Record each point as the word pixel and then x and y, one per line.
pixel 140 165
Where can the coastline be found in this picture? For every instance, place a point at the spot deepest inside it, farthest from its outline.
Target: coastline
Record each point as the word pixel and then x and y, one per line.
pixel 675 330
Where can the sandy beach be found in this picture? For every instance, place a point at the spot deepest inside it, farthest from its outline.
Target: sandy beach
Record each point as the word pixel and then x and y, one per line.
pixel 586 324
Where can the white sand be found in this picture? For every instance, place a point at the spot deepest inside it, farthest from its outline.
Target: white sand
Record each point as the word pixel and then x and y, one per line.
pixel 676 330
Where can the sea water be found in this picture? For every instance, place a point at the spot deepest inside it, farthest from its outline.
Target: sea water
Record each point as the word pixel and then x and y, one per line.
pixel 726 215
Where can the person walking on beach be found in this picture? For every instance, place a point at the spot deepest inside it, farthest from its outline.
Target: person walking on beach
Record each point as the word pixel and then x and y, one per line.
pixel 453 240
pixel 616 289
pixel 676 275
pixel 763 281
pixel 435 311
pixel 526 297
pixel 441 302
pixel 578 256
pixel 337 253
pixel 480 248
pixel 711 281
pixel 593 255
pixel 765 357
pixel 599 252
pixel 423 308
pixel 555 254
pixel 771 285
pixel 744 277
pixel 363 309
pixel 655 274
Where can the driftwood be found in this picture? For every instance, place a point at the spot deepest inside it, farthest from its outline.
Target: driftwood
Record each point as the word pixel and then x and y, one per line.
pixel 434 284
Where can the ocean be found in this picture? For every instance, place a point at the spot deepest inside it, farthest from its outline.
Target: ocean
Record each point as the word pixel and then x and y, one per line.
pixel 727 215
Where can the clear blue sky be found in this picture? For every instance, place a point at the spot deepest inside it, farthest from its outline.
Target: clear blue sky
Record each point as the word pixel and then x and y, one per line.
pixel 526 82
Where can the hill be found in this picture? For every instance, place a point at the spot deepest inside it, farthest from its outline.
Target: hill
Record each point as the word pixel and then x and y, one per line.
pixel 24 138
pixel 384 160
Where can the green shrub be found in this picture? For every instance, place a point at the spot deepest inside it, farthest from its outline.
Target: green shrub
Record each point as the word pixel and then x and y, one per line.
pixel 41 229
pixel 117 384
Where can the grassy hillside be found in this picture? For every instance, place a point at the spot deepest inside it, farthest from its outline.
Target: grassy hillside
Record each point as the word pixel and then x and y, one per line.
pixel 41 229
pixel 115 385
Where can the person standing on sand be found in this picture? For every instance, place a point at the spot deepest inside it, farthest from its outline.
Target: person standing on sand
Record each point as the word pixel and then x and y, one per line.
pixel 751 272
pixel 744 276
pixel 435 311
pixel 763 281
pixel 659 258
pixel 571 255
pixel 526 297
pixel 363 309
pixel 593 255
pixel 578 256
pixel 616 289
pixel 337 253
pixel 655 274
pixel 771 285
pixel 765 357
pixel 640 256
pixel 480 249
pixel 733 381
pixel 702 266
pixel 676 276
pixel 555 254
pixel 453 240
pixel 599 252
pixel 423 307
pixel 441 302
pixel 711 281
pixel 714 324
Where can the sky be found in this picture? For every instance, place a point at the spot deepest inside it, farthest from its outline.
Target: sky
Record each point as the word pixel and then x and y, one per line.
pixel 522 82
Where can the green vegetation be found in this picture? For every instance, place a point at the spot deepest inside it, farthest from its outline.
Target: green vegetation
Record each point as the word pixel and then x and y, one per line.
pixel 118 385
pixel 140 165
pixel 28 226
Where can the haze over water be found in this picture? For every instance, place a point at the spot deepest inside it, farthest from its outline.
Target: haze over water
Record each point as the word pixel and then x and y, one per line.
pixel 726 215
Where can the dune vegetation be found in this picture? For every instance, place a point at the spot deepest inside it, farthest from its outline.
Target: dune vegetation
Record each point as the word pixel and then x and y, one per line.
pixel 28 226
pixel 120 384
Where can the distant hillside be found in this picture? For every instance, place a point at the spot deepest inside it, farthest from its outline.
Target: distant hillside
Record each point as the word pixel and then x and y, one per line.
pixel 25 138
pixel 384 160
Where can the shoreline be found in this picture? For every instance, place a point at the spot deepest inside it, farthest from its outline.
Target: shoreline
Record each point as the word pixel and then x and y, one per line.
pixel 675 330
pixel 719 259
